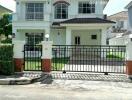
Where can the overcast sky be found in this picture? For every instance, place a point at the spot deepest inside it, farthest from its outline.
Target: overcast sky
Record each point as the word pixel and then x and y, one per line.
pixel 112 7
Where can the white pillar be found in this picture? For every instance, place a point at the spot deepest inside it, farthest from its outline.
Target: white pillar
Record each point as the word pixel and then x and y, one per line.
pixel 18 49
pixel 47 49
pixel 68 36
pixel 103 36
pixel 18 55
pixel 46 56
pixel 103 42
pixel 129 59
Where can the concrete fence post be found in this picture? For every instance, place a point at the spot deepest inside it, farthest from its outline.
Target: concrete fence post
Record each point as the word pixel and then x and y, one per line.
pixel 18 55
pixel 129 59
pixel 46 56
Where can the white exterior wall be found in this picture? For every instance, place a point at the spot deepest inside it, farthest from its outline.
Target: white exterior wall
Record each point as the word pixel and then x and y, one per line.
pixel 85 37
pixel 119 40
pixel 130 17
pixel 58 36
pixel 73 10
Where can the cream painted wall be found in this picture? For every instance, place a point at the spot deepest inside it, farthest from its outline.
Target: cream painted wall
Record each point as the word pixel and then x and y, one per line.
pixel 20 34
pixel 85 36
pixel 58 39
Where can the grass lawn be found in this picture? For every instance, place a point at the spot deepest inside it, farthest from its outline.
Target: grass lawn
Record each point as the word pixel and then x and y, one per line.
pixel 57 64
pixel 119 55
pixel 32 65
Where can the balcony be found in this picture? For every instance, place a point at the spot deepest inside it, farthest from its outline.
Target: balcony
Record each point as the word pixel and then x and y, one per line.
pixel 29 17
pixel 24 23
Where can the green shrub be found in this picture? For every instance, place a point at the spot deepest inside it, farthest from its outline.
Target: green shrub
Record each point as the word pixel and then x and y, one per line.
pixel 6 41
pixel 6 59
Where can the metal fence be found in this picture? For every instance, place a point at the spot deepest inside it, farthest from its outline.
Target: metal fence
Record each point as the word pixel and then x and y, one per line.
pixel 89 58
pixel 32 57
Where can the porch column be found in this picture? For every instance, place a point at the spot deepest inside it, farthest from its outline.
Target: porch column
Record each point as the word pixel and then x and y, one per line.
pixel 103 42
pixel 129 59
pixel 68 36
pixel 18 55
pixel 46 55
pixel 103 36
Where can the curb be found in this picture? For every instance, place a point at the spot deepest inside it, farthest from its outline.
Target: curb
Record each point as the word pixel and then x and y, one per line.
pixel 22 80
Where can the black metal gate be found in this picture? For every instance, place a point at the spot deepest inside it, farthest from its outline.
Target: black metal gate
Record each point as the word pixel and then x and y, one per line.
pixel 32 57
pixel 89 58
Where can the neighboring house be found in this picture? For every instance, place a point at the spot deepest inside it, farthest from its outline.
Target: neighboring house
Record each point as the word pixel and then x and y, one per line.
pixel 121 25
pixel 129 7
pixel 68 22
pixel 123 38
pixel 4 10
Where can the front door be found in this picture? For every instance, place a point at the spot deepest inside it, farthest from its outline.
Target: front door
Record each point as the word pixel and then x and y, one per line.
pixel 77 40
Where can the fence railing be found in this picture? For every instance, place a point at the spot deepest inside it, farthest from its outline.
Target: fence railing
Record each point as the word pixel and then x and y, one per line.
pixel 32 57
pixel 89 58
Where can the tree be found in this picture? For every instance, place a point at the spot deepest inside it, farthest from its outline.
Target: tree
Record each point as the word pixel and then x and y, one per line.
pixel 5 25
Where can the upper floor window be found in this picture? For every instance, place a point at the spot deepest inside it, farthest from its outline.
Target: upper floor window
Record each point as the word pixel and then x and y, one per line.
pixel 121 24
pixel 86 8
pixel 61 11
pixel 34 11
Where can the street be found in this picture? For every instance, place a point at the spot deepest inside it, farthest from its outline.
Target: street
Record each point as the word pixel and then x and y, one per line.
pixel 68 90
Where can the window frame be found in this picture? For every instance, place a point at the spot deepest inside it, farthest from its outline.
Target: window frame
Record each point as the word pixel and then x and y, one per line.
pixel 63 11
pixel 34 11
pixel 94 37
pixel 88 9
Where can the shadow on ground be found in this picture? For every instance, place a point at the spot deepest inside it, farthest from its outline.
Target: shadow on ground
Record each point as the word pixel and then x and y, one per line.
pixel 84 76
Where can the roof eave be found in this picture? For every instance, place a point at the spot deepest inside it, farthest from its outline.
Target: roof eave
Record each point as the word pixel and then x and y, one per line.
pixel 86 24
pixel 129 5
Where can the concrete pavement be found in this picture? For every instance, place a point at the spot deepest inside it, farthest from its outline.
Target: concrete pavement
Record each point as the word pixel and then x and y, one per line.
pixel 68 90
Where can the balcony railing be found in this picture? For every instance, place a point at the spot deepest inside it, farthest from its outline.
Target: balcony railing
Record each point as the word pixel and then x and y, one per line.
pixel 34 16
pixel 31 17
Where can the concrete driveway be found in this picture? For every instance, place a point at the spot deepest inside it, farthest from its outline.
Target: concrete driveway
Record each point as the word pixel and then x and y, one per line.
pixel 61 89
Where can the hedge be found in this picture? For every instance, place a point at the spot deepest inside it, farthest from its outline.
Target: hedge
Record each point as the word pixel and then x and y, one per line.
pixel 6 60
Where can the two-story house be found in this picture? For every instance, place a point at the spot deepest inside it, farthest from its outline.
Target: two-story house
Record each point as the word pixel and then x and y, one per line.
pixel 121 26
pixel 68 22
pixel 129 7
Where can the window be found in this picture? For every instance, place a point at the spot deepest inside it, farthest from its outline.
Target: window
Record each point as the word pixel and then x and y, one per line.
pixel 77 40
pixel 61 11
pixel 93 37
pixel 121 24
pixel 34 11
pixel 34 38
pixel 86 8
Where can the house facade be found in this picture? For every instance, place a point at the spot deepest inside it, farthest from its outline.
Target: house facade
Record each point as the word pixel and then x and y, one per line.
pixel 4 10
pixel 129 7
pixel 121 26
pixel 67 22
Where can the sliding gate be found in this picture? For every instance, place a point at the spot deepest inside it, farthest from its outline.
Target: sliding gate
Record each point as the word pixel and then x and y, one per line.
pixel 89 58
pixel 32 57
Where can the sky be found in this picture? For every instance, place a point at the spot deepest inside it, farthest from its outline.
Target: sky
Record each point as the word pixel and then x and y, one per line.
pixel 114 6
